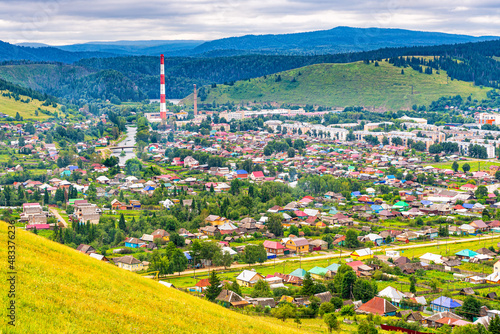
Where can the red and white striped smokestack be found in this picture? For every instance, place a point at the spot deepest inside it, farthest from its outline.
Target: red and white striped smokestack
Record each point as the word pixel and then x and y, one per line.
pixel 195 100
pixel 163 105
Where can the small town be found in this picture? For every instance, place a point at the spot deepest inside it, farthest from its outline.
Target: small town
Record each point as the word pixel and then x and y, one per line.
pixel 250 167
pixel 396 220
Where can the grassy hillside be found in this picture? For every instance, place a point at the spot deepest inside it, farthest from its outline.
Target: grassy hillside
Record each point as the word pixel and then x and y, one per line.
pixel 10 106
pixel 62 291
pixel 341 85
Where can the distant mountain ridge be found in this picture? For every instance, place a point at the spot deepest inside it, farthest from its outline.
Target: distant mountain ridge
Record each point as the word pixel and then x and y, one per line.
pixel 14 52
pixel 336 40
pixel 139 48
pixel 332 41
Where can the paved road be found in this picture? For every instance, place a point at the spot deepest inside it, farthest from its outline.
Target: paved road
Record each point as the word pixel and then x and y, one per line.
pixel 58 216
pixel 336 255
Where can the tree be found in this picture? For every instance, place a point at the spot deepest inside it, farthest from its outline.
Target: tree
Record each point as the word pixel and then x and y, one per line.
pixel 308 288
pixel 261 289
pixel 254 253
pixel 110 162
pixel 284 312
pixel 455 166
pixel 413 281
pixel 177 240
pixel 326 308
pixel 471 329
pixel 227 259
pixel 121 223
pixel 332 322
pixel 348 280
pixel 351 239
pixel 494 326
pixel 364 290
pixel 466 167
pixel 160 263
pixel 235 287
pixel 481 192
pixel 366 327
pixel 294 230
pixel 133 167
pixel 347 310
pixel 214 289
pixel 274 224
pixel 291 152
pixel 470 308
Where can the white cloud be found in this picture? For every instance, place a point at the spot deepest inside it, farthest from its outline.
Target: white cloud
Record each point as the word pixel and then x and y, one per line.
pixel 65 21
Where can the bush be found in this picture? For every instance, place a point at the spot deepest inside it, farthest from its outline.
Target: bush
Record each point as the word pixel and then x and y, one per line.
pixel 347 310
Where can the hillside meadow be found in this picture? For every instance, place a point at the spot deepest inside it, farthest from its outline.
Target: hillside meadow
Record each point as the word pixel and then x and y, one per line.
pixel 381 87
pixel 10 106
pixel 60 290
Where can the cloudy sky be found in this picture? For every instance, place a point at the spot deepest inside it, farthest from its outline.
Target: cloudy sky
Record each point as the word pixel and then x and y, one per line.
pixel 60 22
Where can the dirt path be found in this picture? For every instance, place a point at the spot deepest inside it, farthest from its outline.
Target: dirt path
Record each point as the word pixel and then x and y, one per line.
pixel 58 216
pixel 327 256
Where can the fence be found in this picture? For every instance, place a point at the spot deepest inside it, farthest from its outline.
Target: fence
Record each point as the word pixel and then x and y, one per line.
pixel 401 329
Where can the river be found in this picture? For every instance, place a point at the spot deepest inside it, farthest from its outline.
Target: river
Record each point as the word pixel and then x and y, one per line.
pixel 129 140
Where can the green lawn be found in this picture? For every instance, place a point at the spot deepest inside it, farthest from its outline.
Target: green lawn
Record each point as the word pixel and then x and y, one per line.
pixel 475 165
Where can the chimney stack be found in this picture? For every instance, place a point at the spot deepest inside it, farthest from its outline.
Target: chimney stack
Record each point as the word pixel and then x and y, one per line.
pixel 163 104
pixel 195 101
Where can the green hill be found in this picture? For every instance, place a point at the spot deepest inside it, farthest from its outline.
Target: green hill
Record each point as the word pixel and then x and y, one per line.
pixel 72 82
pixel 60 290
pixel 381 87
pixel 27 110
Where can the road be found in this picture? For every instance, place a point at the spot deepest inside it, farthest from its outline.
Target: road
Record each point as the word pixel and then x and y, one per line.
pixel 337 255
pixel 58 216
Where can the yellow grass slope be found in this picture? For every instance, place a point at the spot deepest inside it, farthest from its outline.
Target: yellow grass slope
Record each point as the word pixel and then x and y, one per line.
pixel 62 291
pixel 10 106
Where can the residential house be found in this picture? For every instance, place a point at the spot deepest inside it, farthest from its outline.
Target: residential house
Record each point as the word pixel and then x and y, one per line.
pixel 318 272
pixel 379 306
pixel 248 278
pixel 298 245
pixel 215 220
pixel 274 247
pixel 496 267
pixel 133 242
pixel 444 304
pixel 393 294
pixel 362 254
pixel 129 263
pixel 318 244
pixel 86 249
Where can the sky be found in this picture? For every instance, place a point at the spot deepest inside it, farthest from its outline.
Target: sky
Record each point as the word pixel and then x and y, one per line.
pixel 59 22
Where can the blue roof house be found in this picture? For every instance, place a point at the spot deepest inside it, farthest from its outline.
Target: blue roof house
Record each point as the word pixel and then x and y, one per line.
pixel 444 304
pixel 334 267
pixel 466 254
pixel 299 272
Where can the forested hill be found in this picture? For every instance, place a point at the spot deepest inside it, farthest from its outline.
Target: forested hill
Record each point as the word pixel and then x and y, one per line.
pixel 477 65
pixel 136 77
pixel 336 40
pixel 14 52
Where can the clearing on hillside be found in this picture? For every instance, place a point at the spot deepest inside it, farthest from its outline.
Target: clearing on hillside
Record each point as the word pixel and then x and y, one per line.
pixel 381 87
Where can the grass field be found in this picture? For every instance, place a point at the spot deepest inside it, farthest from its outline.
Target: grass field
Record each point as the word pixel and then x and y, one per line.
pixel 475 165
pixel 10 107
pixel 340 85
pixel 60 290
